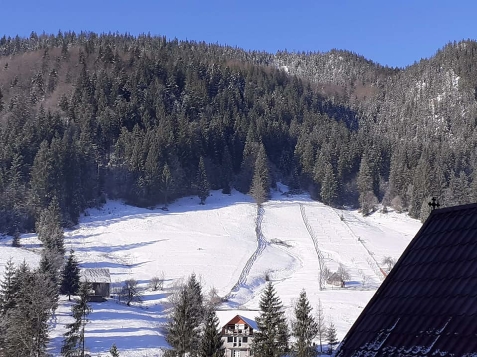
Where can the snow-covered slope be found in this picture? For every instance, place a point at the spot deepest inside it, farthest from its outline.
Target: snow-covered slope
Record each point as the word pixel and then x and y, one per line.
pixel 230 245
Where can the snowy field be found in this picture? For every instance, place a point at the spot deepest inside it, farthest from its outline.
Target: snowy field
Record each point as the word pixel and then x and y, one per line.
pixel 219 243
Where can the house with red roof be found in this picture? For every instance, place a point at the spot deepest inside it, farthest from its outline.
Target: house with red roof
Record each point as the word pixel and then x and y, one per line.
pixel 237 335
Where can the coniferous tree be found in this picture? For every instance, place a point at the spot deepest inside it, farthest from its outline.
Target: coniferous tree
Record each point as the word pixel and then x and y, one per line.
pixel 365 187
pixel 166 184
pixel 114 351
pixel 70 282
pixel 227 171
pixel 8 288
pixel 202 182
pixel 194 288
pixel 260 189
pixel 328 187
pixel 27 328
pixel 16 239
pixel 49 229
pixel 183 328
pixel 73 343
pixel 304 329
pixel 8 291
pixel 331 337
pixel 51 263
pixel 271 339
pixel 211 344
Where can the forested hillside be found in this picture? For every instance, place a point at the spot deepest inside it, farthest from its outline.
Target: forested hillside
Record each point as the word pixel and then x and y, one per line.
pixel 84 117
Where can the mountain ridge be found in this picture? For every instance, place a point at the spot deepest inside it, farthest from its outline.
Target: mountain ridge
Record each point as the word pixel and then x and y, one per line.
pixel 87 116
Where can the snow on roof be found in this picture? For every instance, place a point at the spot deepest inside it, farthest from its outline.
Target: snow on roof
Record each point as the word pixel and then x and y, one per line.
pixel 95 275
pixel 249 322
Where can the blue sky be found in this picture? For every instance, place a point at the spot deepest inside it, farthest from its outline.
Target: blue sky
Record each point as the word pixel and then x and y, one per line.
pixel 390 32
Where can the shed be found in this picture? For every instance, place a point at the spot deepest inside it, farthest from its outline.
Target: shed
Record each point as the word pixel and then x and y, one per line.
pixel 427 304
pixel 100 281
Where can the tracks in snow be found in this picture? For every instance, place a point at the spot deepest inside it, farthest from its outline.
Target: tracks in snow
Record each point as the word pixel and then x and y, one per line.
pixel 321 259
pixel 261 245
pixel 373 263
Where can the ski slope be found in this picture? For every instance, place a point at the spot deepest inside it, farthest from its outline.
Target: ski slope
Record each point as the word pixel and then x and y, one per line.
pixel 231 245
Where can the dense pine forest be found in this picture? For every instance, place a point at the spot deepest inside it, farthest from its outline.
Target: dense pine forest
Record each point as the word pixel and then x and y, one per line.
pixel 85 117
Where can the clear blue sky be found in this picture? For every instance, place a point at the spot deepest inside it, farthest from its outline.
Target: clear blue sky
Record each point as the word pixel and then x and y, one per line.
pixel 390 32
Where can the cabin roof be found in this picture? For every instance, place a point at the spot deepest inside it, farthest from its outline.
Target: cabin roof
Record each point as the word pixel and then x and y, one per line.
pixel 226 319
pixel 95 275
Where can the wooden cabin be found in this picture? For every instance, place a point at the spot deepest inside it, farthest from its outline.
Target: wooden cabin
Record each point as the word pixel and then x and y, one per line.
pixel 100 281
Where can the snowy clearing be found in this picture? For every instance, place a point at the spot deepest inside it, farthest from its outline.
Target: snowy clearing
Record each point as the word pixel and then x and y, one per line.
pixel 231 246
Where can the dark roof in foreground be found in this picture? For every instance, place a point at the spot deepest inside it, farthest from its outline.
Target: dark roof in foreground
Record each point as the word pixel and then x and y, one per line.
pixel 427 306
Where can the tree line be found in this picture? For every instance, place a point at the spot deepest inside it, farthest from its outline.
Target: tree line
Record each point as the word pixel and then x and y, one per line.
pixel 193 328
pixel 85 116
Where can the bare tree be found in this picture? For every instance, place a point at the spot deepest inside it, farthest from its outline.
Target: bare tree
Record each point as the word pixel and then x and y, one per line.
pixel 213 299
pixel 320 322
pixel 389 262
pixel 343 272
pixel 157 282
pixel 131 292
pixel 325 274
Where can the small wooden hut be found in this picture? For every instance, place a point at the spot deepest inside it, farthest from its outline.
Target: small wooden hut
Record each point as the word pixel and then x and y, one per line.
pixel 100 281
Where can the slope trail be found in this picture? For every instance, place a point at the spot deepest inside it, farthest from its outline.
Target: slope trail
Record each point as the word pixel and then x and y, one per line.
pixel 312 234
pixel 372 260
pixel 261 245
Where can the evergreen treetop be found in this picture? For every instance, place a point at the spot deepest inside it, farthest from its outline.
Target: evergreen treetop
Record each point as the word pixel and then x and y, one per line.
pixel 211 344
pixel 304 328
pixel 70 282
pixel 271 339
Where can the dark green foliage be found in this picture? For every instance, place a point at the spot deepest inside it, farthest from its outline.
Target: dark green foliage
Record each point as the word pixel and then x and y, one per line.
pixel 114 351
pixel 211 344
pixel 8 288
pixel 365 187
pixel 271 339
pixel 16 239
pixel 304 329
pixel 183 327
pixel 51 263
pixel 227 172
pixel 26 328
pixel 203 186
pixel 260 189
pixel 166 184
pixel 329 186
pixel 70 281
pixel 106 114
pixel 49 228
pixel 73 343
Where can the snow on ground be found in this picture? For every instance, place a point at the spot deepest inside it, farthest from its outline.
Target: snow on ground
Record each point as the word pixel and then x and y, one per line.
pixel 231 246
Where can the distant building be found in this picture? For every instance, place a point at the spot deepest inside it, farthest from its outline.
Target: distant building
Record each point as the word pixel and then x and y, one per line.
pixel 237 335
pixel 100 281
pixel 427 304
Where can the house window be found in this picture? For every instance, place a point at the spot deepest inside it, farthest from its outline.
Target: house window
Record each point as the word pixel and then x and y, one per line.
pixel 244 339
pixel 236 353
pixel 230 339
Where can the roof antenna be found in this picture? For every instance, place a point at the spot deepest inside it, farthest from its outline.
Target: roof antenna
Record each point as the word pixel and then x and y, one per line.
pixel 434 204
